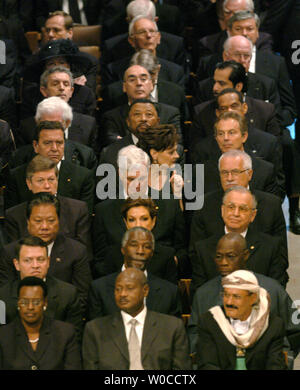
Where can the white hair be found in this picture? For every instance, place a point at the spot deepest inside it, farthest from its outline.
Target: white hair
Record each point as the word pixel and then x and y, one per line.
pixel 141 7
pixel 135 19
pixel 51 105
pixel 134 157
pixel 243 15
pixel 247 160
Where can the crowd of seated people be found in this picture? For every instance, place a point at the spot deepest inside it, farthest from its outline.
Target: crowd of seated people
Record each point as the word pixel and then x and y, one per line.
pixel 141 180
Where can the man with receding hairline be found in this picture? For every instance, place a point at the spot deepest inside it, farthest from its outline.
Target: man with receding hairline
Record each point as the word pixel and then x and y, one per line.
pixel 135 338
pixel 266 254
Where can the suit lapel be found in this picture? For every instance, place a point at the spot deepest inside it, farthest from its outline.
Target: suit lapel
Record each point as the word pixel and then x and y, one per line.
pixel 57 253
pixel 22 340
pixel 45 337
pixel 118 335
pixel 150 332
pixel 252 241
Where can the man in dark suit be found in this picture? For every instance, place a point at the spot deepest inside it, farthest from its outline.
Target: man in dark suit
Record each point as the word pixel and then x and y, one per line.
pixel 137 250
pixel 58 82
pixel 170 47
pixel 259 114
pixel 74 181
pixel 62 52
pixel 163 91
pixel 208 221
pixel 115 22
pixel 69 260
pixel 267 255
pixel 231 255
pixel 84 15
pixel 109 226
pixel 137 84
pixel 143 34
pixel 42 176
pixel 63 301
pixel 224 343
pixel 231 132
pixel 240 49
pixel 153 341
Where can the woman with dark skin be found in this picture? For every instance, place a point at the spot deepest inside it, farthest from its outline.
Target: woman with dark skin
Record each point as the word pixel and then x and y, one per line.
pixel 33 341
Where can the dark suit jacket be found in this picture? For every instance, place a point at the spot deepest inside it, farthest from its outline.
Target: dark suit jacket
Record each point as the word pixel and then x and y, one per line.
pixel 62 302
pixel 161 264
pixel 114 14
pixel 114 121
pixel 213 43
pixel 267 257
pixel 109 228
pixel 8 110
pixel 258 87
pixel 82 101
pixel 169 71
pixel 74 221
pixel 266 154
pixel 171 48
pixel 74 182
pixel 268 65
pixel 209 295
pixel 7 146
pixel 164 344
pixel 260 115
pixel 82 130
pixel 168 93
pixel 163 296
pixel 215 352
pixel 269 218
pixel 57 348
pixel 74 152
pixel 69 262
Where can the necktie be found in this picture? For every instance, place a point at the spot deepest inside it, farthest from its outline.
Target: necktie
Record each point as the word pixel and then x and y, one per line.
pixel 74 11
pixel 134 348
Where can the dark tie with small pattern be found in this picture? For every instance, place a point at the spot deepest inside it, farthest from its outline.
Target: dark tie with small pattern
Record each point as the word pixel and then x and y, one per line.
pixel 74 11
pixel 134 348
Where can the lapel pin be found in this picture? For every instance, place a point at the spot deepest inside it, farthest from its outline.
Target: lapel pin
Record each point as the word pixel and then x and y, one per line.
pixel 58 260
pixel 68 179
pixel 251 247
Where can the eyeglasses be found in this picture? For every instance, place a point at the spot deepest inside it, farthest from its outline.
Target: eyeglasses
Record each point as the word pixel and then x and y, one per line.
pixel 26 302
pixel 145 32
pixel 233 173
pixel 242 208
pixel 134 79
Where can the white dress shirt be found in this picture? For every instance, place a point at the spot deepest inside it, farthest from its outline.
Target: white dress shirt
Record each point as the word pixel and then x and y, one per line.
pixel 139 327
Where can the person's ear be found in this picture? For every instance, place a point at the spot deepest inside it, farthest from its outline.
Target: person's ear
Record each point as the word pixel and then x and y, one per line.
pixel 43 91
pixel 16 264
pixel 35 146
pixel 153 154
pixel 239 86
pixel 146 290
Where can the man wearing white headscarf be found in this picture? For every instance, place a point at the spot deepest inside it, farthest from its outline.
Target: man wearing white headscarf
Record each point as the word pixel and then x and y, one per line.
pixel 241 334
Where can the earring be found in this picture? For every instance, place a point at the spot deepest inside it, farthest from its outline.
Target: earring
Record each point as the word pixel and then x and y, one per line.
pixel 18 308
pixel 155 161
pixel 44 308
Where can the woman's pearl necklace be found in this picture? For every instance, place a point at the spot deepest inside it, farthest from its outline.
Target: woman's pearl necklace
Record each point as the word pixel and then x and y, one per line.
pixel 34 341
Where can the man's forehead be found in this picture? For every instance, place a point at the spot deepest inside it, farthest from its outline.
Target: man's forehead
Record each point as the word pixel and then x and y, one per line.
pixel 239 198
pixel 228 98
pixel 139 236
pixel 228 124
pixel 52 133
pixel 142 23
pixel 56 19
pixel 50 172
pixel 222 73
pixel 59 76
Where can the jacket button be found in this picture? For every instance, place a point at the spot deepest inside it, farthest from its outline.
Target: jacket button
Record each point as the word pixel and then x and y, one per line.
pixel 34 367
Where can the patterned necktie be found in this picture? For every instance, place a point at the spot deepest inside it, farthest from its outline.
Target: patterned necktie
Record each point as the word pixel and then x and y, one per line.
pixel 134 348
pixel 74 11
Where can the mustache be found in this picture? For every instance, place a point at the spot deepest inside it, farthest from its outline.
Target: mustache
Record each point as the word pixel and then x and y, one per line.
pixel 231 307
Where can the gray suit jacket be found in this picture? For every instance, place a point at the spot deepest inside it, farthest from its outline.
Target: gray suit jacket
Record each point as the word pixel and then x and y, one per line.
pixel 164 344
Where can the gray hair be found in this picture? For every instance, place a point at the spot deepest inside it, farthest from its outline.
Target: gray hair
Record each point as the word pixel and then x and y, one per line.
pixel 134 157
pixel 243 15
pixel 141 7
pixel 242 190
pixel 126 235
pixel 249 4
pixel 135 19
pixel 51 105
pixel 227 43
pixel 55 69
pixel 146 59
pixel 247 160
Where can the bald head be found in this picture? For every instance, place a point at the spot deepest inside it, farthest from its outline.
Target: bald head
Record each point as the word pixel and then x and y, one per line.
pixel 131 288
pixel 239 49
pixel 231 253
